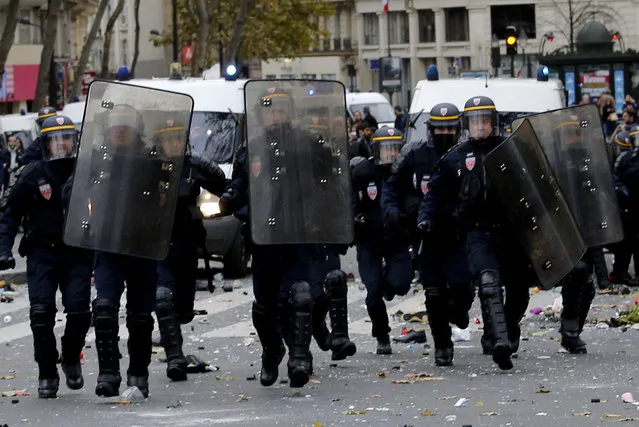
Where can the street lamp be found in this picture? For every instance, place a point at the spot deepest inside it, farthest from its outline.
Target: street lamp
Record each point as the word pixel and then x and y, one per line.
pixel 53 87
pixel 547 37
pixel 495 54
pixel 616 36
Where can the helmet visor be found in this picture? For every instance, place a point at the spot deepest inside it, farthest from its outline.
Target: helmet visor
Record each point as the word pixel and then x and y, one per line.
pixel 60 145
pixel 388 151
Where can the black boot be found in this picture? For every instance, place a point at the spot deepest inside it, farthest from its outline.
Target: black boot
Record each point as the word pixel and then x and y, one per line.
pixel 44 348
pixel 384 345
pixel 438 318
pixel 517 298
pixel 337 288
pixel 491 296
pixel 587 295
pixel 140 326
pixel 171 334
pixel 265 323
pixel 301 303
pixel 75 333
pixel 570 339
pixel 320 331
pixel 105 324
pixel 575 285
pixel 379 319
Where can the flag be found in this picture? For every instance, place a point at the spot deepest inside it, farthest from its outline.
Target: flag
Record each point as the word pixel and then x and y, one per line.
pixel 385 5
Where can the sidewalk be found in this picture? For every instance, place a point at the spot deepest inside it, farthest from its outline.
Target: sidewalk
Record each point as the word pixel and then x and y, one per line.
pixel 18 274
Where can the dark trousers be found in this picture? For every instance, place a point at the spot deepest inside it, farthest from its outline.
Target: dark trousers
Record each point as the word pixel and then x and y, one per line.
pixel 178 272
pixel 396 274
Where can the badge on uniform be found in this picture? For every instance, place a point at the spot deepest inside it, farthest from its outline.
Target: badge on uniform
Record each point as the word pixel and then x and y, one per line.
pixel 360 195
pixel 415 181
pixel 372 191
pixel 470 161
pixel 391 132
pixel 425 181
pixel 45 190
pixel 59 121
pixel 443 111
pixel 256 167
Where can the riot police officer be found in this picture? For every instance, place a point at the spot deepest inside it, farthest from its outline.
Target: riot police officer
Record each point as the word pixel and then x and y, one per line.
pixel 493 257
pixel 378 242
pixel 37 196
pixel 443 267
pixel 281 266
pixel 177 273
pixel 124 155
pixel 34 150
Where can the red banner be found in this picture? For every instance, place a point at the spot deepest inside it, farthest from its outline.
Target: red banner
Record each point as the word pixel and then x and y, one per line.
pixel 187 55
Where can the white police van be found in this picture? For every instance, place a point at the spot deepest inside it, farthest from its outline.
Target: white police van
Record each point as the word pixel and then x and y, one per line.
pixel 379 106
pixel 217 124
pixel 22 126
pixel 513 97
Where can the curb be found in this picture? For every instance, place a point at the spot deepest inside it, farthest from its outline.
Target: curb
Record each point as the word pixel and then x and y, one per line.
pixel 14 276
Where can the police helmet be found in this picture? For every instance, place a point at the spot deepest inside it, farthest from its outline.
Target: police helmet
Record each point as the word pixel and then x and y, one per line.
pixel 124 115
pixel 45 113
pixel 567 131
pixel 386 145
pixel 59 138
pixel 633 136
pixel 476 110
pixel 444 116
pixel 274 97
pixel 622 141
pixel 170 137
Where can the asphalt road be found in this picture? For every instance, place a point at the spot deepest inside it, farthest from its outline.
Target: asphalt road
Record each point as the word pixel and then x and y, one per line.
pixel 547 387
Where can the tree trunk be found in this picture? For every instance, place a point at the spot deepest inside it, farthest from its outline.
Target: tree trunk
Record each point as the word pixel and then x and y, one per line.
pixel 572 26
pixel 136 48
pixel 204 28
pixel 86 49
pixel 48 47
pixel 8 34
pixel 108 33
pixel 233 47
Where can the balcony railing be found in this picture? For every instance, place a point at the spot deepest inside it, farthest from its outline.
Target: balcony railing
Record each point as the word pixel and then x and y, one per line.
pixel 336 45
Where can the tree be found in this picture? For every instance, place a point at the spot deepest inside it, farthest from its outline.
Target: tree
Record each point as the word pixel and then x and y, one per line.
pixel 205 15
pixel 108 33
pixel 46 58
pixel 8 34
pixel 136 48
pixel 88 44
pixel 579 12
pixel 265 29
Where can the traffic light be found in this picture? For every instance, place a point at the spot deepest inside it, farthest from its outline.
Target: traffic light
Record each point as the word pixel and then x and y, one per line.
pixel 615 36
pixel 511 41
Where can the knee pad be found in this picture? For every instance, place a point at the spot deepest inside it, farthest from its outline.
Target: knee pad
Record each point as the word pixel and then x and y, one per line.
pixel 103 306
pixel 335 284
pixel 300 296
pixel 42 314
pixel 589 291
pixel 139 321
pixel 163 300
pixel 489 285
pixel 580 271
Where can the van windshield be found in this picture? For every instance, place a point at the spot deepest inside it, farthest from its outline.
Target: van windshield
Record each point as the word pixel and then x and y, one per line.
pixel 506 120
pixel 419 132
pixel 213 135
pixel 382 111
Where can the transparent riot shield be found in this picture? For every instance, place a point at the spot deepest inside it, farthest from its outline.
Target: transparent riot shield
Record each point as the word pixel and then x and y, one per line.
pixel 522 181
pixel 124 189
pixel 299 180
pixel 574 143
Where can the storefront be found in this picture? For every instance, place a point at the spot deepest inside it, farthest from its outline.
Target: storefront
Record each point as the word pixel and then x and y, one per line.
pixel 20 78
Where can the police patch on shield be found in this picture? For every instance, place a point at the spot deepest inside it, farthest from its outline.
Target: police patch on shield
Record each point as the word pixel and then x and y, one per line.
pixel 476 101
pixel 271 90
pixel 59 121
pixel 372 191
pixel 256 167
pixel 170 123
pixel 425 181
pixel 470 162
pixel 45 189
pixel 443 111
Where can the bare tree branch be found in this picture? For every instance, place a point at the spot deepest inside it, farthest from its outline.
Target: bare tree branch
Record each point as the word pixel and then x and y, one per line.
pixel 136 48
pixel 236 39
pixel 8 34
pixel 108 33
pixel 46 58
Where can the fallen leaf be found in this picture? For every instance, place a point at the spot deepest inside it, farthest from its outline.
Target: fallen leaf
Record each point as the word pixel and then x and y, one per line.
pixel 403 361
pixel 316 424
pixel 581 414
pixel 382 374
pixel 124 402
pixel 628 419
pixel 489 414
pixel 241 399
pixel 224 378
pixel 448 398
pixel 427 413
pixel 316 381
pixel 420 375
pixel 376 395
pixel 607 415
pixel 335 399
pixel 539 334
pixel 542 391
pixel 7 377
pixel 402 382
pixel 353 412
pixel 480 403
pixel 12 393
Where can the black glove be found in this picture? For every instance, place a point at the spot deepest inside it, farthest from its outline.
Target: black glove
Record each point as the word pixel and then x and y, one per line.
pixel 395 221
pixel 424 226
pixel 7 262
pixel 227 202
pixel 359 219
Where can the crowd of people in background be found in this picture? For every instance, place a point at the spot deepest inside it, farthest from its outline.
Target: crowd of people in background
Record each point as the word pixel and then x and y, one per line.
pixel 612 124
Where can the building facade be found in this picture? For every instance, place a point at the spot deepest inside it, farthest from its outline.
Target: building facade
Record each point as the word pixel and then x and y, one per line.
pixel 458 37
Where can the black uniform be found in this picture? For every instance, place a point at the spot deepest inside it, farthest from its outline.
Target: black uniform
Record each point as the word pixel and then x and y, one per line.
pixel 443 266
pixel 494 258
pixel 378 241
pixel 37 197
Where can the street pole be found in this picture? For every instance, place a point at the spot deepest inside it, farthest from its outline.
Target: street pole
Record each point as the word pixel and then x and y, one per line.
pixel 388 34
pixel 175 32
pixel 220 49
pixel 512 65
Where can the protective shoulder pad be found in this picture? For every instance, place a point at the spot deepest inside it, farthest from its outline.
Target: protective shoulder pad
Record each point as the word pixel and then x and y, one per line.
pixel 356 161
pixel 405 154
pixel 619 158
pixel 25 170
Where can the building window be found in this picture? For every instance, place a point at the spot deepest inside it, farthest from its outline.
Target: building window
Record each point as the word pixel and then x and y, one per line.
pixel 458 65
pixel 371 29
pixel 398 22
pixel 270 77
pixel 308 76
pixel 24 30
pixel 426 19
pixel 288 76
pixel 521 16
pixel 123 53
pixel 456 24
pixel 329 76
